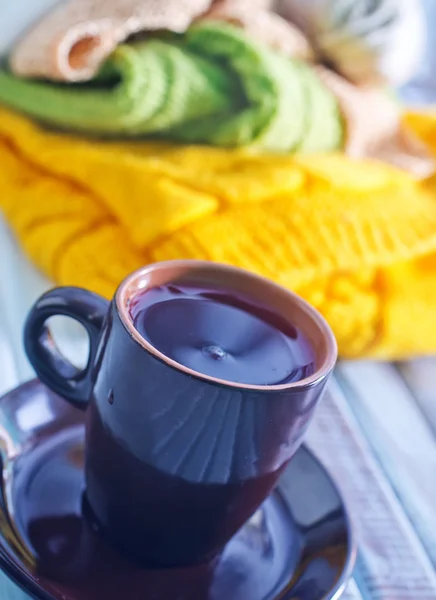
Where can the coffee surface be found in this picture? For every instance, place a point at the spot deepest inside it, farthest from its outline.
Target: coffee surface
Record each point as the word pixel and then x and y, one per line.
pixel 222 334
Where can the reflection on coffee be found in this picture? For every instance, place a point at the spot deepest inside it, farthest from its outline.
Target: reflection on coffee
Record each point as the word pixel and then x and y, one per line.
pixel 222 334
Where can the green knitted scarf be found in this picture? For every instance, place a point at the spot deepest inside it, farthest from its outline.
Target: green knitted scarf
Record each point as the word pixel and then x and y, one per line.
pixel 214 85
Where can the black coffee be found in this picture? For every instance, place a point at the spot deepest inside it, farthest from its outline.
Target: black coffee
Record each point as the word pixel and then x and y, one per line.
pixel 222 334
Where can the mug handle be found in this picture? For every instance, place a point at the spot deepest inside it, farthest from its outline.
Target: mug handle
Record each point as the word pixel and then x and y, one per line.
pixel 52 368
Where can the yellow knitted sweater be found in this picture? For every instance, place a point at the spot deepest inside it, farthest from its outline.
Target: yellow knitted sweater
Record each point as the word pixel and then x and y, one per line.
pixel 356 239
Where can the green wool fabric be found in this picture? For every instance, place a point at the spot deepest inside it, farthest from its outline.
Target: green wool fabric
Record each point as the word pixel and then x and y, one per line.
pixel 214 85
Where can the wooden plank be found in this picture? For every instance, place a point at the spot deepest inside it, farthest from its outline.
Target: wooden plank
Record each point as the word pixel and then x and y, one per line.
pixel 10 591
pixel 400 437
pixel 25 285
pixel 420 376
pixel 393 564
pixel 352 592
pixel 9 374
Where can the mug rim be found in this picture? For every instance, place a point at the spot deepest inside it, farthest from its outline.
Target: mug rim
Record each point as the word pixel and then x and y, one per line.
pixel 321 372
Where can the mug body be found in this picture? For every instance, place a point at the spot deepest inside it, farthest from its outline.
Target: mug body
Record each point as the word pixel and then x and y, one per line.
pixel 177 461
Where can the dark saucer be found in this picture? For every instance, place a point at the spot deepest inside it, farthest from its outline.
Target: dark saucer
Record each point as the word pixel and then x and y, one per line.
pixel 298 546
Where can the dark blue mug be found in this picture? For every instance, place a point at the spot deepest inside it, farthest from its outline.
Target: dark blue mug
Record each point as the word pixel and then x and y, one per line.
pixel 176 461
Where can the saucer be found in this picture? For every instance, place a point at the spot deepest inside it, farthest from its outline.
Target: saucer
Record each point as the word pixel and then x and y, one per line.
pixel 299 545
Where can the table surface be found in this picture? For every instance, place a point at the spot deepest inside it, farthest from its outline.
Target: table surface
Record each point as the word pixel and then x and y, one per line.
pixel 375 429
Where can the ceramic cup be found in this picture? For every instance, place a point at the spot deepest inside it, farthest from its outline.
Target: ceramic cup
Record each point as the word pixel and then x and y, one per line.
pixel 176 461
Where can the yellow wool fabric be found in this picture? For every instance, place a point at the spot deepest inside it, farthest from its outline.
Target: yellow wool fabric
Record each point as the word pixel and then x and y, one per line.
pixel 356 239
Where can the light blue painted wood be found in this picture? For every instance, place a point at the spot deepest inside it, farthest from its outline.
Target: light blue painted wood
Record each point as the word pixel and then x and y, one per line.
pixel 393 564
pixel 420 376
pixel 21 285
pixel 10 591
pixel 25 285
pixel 400 437
pixel 352 592
pixel 9 376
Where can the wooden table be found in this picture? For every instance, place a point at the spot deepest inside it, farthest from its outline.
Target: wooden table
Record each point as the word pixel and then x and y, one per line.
pixel 375 430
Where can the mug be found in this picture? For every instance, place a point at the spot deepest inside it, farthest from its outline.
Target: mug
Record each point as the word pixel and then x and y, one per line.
pixel 176 461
